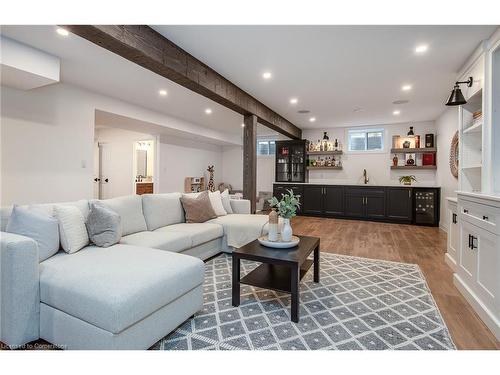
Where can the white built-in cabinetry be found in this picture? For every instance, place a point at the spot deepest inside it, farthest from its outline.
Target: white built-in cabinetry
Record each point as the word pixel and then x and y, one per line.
pixel 477 271
pixel 474 222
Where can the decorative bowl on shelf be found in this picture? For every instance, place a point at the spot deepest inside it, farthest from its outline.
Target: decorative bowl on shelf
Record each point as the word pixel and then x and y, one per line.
pixel 263 240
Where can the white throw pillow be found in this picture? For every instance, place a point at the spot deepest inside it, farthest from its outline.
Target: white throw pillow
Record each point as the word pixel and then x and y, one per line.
pixel 216 201
pixel 225 201
pixel 72 228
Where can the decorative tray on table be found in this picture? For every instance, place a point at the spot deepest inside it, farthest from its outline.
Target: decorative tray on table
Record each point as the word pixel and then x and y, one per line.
pixel 279 244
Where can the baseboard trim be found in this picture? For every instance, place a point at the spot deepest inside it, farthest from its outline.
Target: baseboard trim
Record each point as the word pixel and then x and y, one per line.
pixel 484 313
pixel 452 263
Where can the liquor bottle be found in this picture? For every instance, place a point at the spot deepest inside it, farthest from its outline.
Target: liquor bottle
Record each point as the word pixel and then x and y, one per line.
pixel 336 144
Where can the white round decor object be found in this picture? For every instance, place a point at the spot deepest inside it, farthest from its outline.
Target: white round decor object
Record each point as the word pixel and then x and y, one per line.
pixel 264 240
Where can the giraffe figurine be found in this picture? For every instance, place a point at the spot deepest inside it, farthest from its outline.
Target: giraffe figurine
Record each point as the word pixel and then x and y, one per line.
pixel 211 185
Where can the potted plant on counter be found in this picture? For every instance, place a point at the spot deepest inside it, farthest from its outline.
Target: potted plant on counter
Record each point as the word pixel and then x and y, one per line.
pixel 287 208
pixel 407 180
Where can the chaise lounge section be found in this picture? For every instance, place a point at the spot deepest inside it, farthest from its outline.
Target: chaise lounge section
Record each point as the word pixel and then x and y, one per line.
pixel 126 296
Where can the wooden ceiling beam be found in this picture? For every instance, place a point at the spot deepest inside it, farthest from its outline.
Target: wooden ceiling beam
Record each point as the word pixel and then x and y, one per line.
pixel 151 50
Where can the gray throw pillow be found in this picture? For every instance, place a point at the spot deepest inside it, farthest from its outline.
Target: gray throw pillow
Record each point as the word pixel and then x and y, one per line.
pixel 38 226
pixel 103 225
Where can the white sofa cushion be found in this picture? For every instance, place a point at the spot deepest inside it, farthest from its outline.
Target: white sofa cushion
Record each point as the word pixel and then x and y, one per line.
pixel 226 202
pixel 199 233
pixel 115 287
pixel 47 208
pixel 72 230
pixel 162 209
pixel 172 241
pixel 39 226
pixel 216 201
pixel 129 208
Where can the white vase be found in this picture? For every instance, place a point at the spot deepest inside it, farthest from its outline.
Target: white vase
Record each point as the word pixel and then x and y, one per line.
pixel 286 231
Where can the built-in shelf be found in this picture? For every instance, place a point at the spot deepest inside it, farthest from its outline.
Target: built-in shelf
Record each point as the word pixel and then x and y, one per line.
pixel 474 128
pixel 324 152
pixel 313 168
pixel 413 150
pixel 472 166
pixel 414 167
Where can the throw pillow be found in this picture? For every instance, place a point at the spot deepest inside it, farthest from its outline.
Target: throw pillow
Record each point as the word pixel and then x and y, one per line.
pixel 226 202
pixel 103 226
pixel 216 201
pixel 199 209
pixel 72 228
pixel 38 226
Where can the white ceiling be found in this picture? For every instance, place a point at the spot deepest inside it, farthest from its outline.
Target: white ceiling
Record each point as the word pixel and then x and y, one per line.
pixel 334 69
pixel 98 70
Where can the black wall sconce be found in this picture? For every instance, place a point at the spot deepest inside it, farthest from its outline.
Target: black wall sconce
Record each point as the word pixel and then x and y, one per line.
pixel 456 97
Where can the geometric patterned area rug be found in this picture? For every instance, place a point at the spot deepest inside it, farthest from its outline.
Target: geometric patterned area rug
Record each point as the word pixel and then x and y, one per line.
pixel 359 304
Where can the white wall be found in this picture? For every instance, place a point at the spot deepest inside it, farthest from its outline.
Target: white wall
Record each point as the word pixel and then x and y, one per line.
pixel 232 168
pixel 47 138
pixel 232 158
pixel 446 126
pixel 377 164
pixel 181 158
pixel 121 159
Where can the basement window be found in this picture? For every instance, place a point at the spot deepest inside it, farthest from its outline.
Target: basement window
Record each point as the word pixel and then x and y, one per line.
pixel 266 148
pixel 362 140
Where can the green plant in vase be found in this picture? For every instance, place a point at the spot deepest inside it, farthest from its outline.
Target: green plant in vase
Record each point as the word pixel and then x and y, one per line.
pixel 407 180
pixel 287 208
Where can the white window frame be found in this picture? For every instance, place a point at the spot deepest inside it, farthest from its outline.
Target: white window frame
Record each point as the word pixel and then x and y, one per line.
pixel 366 129
pixel 264 140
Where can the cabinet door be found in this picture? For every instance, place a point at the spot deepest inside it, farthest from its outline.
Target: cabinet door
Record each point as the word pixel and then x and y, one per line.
pixel 399 204
pixel 354 205
pixel 454 233
pixel 334 200
pixel 278 190
pixel 488 264
pixel 467 263
pixel 312 200
pixel 375 206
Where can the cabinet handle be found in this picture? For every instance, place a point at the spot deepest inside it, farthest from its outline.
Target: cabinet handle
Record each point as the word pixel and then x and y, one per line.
pixel 485 218
pixel 472 243
pixel 466 211
pixel 409 193
pixel 366 200
pixel 454 218
pixel 470 237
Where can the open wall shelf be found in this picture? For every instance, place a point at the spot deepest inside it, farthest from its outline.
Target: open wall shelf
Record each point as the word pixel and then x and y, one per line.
pixel 414 167
pixel 413 150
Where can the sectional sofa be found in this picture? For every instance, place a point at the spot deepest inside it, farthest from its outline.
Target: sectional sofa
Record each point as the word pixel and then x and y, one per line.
pixel 126 296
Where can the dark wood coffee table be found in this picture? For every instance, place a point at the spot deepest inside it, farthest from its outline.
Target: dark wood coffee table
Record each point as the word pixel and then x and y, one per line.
pixel 281 269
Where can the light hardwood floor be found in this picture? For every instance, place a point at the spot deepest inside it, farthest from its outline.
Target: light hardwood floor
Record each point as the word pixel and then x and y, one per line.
pixel 424 246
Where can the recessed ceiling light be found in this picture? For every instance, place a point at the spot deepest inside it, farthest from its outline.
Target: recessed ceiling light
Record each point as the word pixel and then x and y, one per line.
pixel 162 92
pixel 242 125
pixel 62 31
pixel 267 75
pixel 395 113
pixel 294 101
pixel 421 48
pixel 312 119
pixel 406 88
pixel 208 111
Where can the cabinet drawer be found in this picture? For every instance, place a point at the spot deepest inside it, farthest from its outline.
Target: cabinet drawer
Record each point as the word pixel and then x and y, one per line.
pixel 484 216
